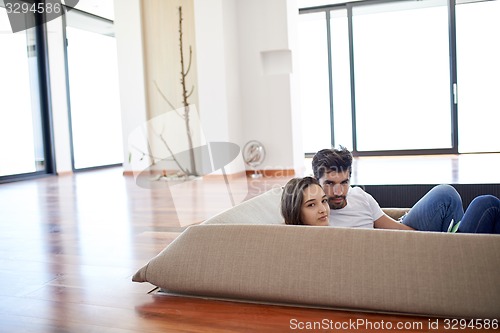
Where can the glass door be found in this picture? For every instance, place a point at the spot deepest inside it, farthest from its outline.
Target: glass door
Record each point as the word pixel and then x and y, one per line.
pixel 93 88
pixel 402 76
pixel 21 139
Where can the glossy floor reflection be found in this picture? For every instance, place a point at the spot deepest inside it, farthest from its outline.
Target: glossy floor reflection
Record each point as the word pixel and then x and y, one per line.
pixel 70 244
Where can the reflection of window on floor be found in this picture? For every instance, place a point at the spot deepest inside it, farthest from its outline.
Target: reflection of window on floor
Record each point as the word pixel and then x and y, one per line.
pixel 95 111
pixel 401 76
pixel 21 142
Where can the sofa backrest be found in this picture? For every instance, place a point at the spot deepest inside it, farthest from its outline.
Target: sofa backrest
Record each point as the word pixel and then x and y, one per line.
pixel 425 273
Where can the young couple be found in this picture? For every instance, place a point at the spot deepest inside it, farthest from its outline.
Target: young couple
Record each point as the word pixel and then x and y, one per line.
pixel 328 199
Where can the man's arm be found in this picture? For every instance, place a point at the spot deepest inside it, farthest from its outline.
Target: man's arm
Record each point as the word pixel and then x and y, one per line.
pixel 385 222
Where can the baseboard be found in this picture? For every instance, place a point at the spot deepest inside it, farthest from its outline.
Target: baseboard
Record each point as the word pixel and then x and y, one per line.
pixel 231 176
pixel 272 172
pixel 248 173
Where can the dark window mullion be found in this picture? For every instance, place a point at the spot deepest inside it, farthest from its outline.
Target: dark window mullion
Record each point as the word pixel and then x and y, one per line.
pixel 453 75
pixel 330 81
pixel 353 90
pixel 45 100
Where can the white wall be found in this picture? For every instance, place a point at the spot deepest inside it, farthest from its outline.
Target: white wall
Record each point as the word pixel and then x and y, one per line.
pixel 218 73
pixel 239 99
pixel 128 33
pixel 298 150
pixel 232 62
pixel 267 98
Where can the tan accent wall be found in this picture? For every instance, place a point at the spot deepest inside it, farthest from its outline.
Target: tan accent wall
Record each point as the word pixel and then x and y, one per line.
pixel 162 63
pixel 162 53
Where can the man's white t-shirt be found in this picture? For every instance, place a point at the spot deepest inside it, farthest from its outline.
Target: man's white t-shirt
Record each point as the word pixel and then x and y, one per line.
pixel 360 212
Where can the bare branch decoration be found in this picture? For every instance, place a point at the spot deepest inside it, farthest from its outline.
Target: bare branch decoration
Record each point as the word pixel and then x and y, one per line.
pixel 191 170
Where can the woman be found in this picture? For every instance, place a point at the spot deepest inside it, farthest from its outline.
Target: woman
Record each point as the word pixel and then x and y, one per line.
pixel 304 202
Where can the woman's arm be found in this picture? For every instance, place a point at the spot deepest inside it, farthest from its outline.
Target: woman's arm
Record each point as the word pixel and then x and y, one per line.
pixel 385 222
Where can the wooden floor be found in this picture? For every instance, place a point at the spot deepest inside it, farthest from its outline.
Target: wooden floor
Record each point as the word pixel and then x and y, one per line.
pixel 70 244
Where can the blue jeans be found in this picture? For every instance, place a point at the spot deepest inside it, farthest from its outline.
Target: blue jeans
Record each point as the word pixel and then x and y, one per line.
pixel 442 203
pixel 435 210
pixel 482 216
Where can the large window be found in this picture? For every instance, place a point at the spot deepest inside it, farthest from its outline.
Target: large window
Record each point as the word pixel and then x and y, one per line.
pixel 26 128
pixel 478 66
pixel 402 76
pixel 21 131
pixel 93 89
pixel 393 85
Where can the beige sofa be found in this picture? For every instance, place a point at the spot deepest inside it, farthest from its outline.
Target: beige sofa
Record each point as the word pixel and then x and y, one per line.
pixel 247 253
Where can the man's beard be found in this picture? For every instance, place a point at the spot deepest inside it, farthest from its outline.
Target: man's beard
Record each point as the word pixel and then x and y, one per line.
pixel 335 203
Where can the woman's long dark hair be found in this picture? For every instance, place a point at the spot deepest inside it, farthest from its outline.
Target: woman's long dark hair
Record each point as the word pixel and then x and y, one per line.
pixel 292 197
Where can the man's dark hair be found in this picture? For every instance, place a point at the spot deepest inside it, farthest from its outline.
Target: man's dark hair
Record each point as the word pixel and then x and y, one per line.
pixel 327 160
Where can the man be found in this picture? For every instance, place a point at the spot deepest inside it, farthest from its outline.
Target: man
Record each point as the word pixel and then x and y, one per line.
pixel 353 207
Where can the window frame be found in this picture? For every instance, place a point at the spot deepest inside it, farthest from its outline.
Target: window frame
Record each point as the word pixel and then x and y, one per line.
pixel 43 78
pixel 452 89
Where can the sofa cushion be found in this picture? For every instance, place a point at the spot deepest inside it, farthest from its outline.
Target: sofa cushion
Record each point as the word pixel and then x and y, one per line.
pixel 262 209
